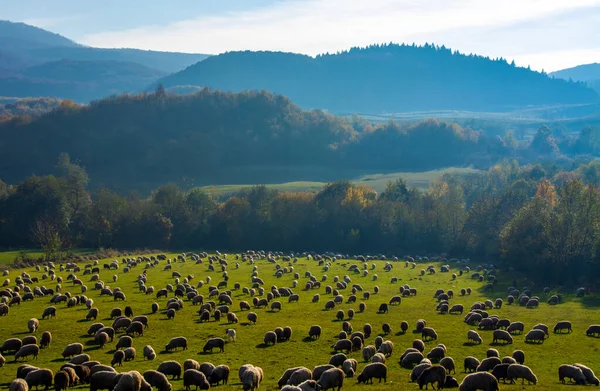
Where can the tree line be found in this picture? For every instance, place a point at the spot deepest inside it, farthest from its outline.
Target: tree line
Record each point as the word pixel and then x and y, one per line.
pixel 139 142
pixel 536 219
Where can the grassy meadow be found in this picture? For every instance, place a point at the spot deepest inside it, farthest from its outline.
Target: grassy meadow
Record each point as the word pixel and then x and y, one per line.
pixel 70 324
pixel 419 180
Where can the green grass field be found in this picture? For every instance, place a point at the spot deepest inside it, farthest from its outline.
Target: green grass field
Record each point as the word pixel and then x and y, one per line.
pixel 420 180
pixel 70 325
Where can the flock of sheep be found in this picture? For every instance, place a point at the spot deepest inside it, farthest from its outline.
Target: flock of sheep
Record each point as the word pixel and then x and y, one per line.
pixel 432 368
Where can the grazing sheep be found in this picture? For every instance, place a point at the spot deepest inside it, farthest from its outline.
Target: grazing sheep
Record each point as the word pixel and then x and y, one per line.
pixel 473 336
pixel 155 308
pixel 314 331
pixel 231 334
pixel 368 352
pixel 72 350
pixel 535 335
pixel 158 380
pixel 501 335
pixel 488 364
pixel 589 374
pixel 101 338
pixel 373 371
pixel 318 370
pixel 516 326
pixel 18 385
pixel 500 372
pixel 448 363
pixel 149 353
pixel 130 353
pixel 563 325
pixel 436 354
pixel 124 342
pixel 418 370
pixel 251 378
pixel 102 380
pixel 428 334
pixel 26 351
pixel 219 374
pixel 471 364
pixel 572 372
pixel 252 317
pixel 404 327
pixel 338 359
pixel 193 377
pixel 177 342
pixel 518 371
pixel 299 376
pixel 170 368
pixel 216 343
pixel 419 345
pixel 543 327
pixel 118 358
pixel 330 379
pixel 378 357
pixel 80 359
pixel 135 328
pixel 29 340
pixel 286 376
pixel 593 330
pixel 39 377
pixel 270 338
pixel 433 374
pixel 411 359
pixel 479 381
pixel 33 324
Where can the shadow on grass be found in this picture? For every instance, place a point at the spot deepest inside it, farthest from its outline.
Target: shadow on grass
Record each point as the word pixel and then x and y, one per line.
pixel 308 339
pixel 499 344
pixel 590 301
pixel 471 344
pixel 400 333
pixel 84 320
pixel 263 346
pixel 60 360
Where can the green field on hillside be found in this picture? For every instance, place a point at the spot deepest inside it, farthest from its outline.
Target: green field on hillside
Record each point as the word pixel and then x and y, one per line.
pixel 420 180
pixel 70 324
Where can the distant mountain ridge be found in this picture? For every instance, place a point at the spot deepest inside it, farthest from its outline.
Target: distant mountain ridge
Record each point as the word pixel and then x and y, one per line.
pixel 35 62
pixel 384 78
pixel 588 73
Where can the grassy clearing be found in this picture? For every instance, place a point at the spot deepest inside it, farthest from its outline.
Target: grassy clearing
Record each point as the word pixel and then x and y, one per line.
pixel 70 324
pixel 420 180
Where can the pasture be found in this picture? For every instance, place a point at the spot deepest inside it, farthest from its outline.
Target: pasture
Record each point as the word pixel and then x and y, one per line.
pixel 70 324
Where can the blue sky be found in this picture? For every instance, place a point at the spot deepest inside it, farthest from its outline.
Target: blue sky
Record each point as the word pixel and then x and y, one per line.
pixel 545 34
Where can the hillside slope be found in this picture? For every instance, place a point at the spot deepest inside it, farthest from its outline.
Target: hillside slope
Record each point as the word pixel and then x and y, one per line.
pixel 384 78
pixel 586 72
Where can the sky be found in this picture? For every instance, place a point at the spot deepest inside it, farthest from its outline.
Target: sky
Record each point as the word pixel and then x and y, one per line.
pixel 544 34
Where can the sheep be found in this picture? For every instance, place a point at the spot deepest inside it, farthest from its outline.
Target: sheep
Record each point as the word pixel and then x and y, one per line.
pixel 130 353
pixel 70 370
pixel 314 331
pixel 231 334
pixel 487 364
pixel 18 385
pixel 436 354
pixel 448 363
pixel 135 328
pixel 516 326
pixel 251 378
pixel 193 377
pixel 404 327
pixel 26 351
pixel 318 370
pixel 411 359
pixel 535 335
pixel 102 381
pixel 500 372
pixel 101 368
pixel 80 359
pixel 474 336
pixel 386 348
pixel 330 379
pixel 29 340
pixel 563 325
pixel 286 376
pixel 155 308
pixel 479 381
pixel 589 374
pixel 373 370
pixel 142 319
pixel 33 324
pixel 252 317
pixel 572 372
pixel 349 367
pixel 219 374
pixel 2 361
pixel 518 371
pixel 170 368
pixel 39 377
pixel 368 352
pixel 435 373
pixel 338 359
pixel 501 335
pixel 543 327
pixel 419 345
pixel 158 380
pixel 215 343
pixel 149 353
pixel 378 357
pixel 418 370
pixel 124 342
pixel 471 364
pixel 593 330
pixel 72 350
pixel 101 338
pixel 428 334
pixel 118 358
pixel 49 312
pixel 270 338
pixel 92 314
pixel 299 375
pixel 207 368
pixel 177 342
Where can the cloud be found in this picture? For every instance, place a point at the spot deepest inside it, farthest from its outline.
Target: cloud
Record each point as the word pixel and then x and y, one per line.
pixel 318 26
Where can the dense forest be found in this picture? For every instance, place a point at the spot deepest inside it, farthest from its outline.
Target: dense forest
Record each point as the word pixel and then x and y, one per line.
pixel 143 141
pixel 534 218
pixel 384 79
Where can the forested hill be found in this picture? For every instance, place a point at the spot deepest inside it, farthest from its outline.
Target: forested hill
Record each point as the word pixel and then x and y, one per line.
pixel 384 78
pixel 211 137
